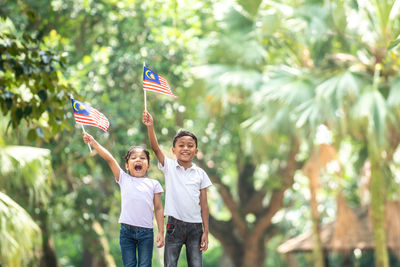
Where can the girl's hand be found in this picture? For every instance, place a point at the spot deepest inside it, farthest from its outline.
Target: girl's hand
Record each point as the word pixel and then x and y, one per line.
pixel 87 138
pixel 160 240
pixel 147 119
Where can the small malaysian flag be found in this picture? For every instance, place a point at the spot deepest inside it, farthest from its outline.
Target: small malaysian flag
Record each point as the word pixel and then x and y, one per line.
pixel 156 83
pixel 87 115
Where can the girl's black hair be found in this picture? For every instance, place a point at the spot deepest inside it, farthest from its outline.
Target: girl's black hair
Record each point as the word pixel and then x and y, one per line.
pixel 130 151
pixel 184 133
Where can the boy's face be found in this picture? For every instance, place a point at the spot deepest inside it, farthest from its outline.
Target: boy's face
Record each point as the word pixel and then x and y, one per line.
pixel 185 149
pixel 137 163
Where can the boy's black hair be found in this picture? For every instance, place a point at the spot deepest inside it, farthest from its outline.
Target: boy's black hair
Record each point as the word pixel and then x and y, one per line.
pixel 130 151
pixel 184 133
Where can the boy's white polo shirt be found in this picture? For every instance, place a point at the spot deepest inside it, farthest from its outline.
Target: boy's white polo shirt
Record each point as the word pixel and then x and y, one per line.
pixel 182 190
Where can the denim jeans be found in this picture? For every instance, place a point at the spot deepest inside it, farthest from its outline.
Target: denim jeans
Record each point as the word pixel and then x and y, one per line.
pixel 132 238
pixel 181 233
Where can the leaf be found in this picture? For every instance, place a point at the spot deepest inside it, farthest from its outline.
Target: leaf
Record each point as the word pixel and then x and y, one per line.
pixel 13 49
pixel 27 110
pixel 19 114
pixel 32 135
pixel 393 44
pixel 42 95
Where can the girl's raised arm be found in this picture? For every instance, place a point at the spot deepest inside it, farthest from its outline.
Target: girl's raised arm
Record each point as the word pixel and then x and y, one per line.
pixel 88 139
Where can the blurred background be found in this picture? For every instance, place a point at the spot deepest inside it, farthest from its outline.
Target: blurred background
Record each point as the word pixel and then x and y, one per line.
pixel 296 105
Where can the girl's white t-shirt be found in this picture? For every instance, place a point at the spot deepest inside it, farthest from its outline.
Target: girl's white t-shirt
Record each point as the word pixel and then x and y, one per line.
pixel 137 195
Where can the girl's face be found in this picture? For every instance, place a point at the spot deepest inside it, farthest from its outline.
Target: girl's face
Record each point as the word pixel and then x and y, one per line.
pixel 137 163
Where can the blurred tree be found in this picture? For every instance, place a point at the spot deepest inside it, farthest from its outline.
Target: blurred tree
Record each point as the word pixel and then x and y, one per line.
pixel 25 175
pixel 107 43
pixel 344 52
pixel 32 88
pixel 251 171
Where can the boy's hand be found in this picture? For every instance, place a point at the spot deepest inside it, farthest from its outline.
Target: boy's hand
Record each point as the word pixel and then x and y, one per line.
pixel 147 119
pixel 160 240
pixel 204 242
pixel 87 138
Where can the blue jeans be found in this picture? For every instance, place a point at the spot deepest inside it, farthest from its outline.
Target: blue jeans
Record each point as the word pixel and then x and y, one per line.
pixel 181 233
pixel 132 238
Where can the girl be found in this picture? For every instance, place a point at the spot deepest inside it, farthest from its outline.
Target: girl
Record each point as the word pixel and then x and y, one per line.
pixel 138 196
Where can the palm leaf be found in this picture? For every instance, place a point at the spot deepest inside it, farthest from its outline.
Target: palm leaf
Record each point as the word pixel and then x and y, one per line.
pixel 371 110
pixel 31 170
pixel 20 236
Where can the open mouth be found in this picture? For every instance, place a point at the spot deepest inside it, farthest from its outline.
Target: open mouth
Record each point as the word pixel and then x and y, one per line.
pixel 138 167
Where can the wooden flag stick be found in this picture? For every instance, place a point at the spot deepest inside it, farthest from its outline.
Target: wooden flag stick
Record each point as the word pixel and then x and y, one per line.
pixel 83 129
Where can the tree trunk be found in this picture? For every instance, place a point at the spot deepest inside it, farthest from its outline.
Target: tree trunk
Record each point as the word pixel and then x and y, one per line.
pixel 254 252
pixel 245 242
pixel 318 251
pixel 378 213
pixel 49 257
pixel 96 252
pixel 320 157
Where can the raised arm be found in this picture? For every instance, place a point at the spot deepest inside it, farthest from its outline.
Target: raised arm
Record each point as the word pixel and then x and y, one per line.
pixel 88 139
pixel 148 121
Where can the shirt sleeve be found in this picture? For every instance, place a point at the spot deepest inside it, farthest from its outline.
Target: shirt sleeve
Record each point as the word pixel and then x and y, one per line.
pixel 205 180
pixel 121 177
pixel 166 163
pixel 158 188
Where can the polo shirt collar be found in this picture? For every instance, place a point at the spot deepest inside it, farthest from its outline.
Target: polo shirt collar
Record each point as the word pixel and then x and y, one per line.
pixel 177 165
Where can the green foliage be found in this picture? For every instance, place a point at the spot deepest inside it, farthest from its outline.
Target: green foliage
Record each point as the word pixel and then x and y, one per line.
pixel 32 87
pixel 250 76
pixel 30 169
pixel 25 175
pixel 20 236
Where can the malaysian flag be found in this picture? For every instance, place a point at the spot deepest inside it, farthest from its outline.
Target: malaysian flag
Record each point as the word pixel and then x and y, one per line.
pixel 156 83
pixel 85 114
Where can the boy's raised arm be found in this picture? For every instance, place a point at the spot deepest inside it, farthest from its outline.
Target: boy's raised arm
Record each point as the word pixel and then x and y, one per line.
pixel 88 139
pixel 148 121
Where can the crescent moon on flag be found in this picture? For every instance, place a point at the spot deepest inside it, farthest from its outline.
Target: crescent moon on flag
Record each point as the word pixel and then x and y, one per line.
pixel 76 107
pixel 151 75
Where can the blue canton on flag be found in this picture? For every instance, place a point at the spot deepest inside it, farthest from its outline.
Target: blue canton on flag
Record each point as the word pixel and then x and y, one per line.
pixel 150 76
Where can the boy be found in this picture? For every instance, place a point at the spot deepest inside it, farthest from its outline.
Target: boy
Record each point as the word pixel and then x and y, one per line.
pixel 185 199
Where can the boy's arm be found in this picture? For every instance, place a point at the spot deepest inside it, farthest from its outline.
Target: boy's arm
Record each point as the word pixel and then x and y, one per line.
pixel 148 121
pixel 204 217
pixel 88 139
pixel 158 210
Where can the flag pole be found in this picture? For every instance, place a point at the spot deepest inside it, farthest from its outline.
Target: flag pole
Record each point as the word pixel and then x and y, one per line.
pixel 83 129
pixel 144 91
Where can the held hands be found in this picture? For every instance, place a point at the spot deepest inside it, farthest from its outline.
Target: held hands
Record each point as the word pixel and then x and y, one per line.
pixel 147 119
pixel 160 240
pixel 204 242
